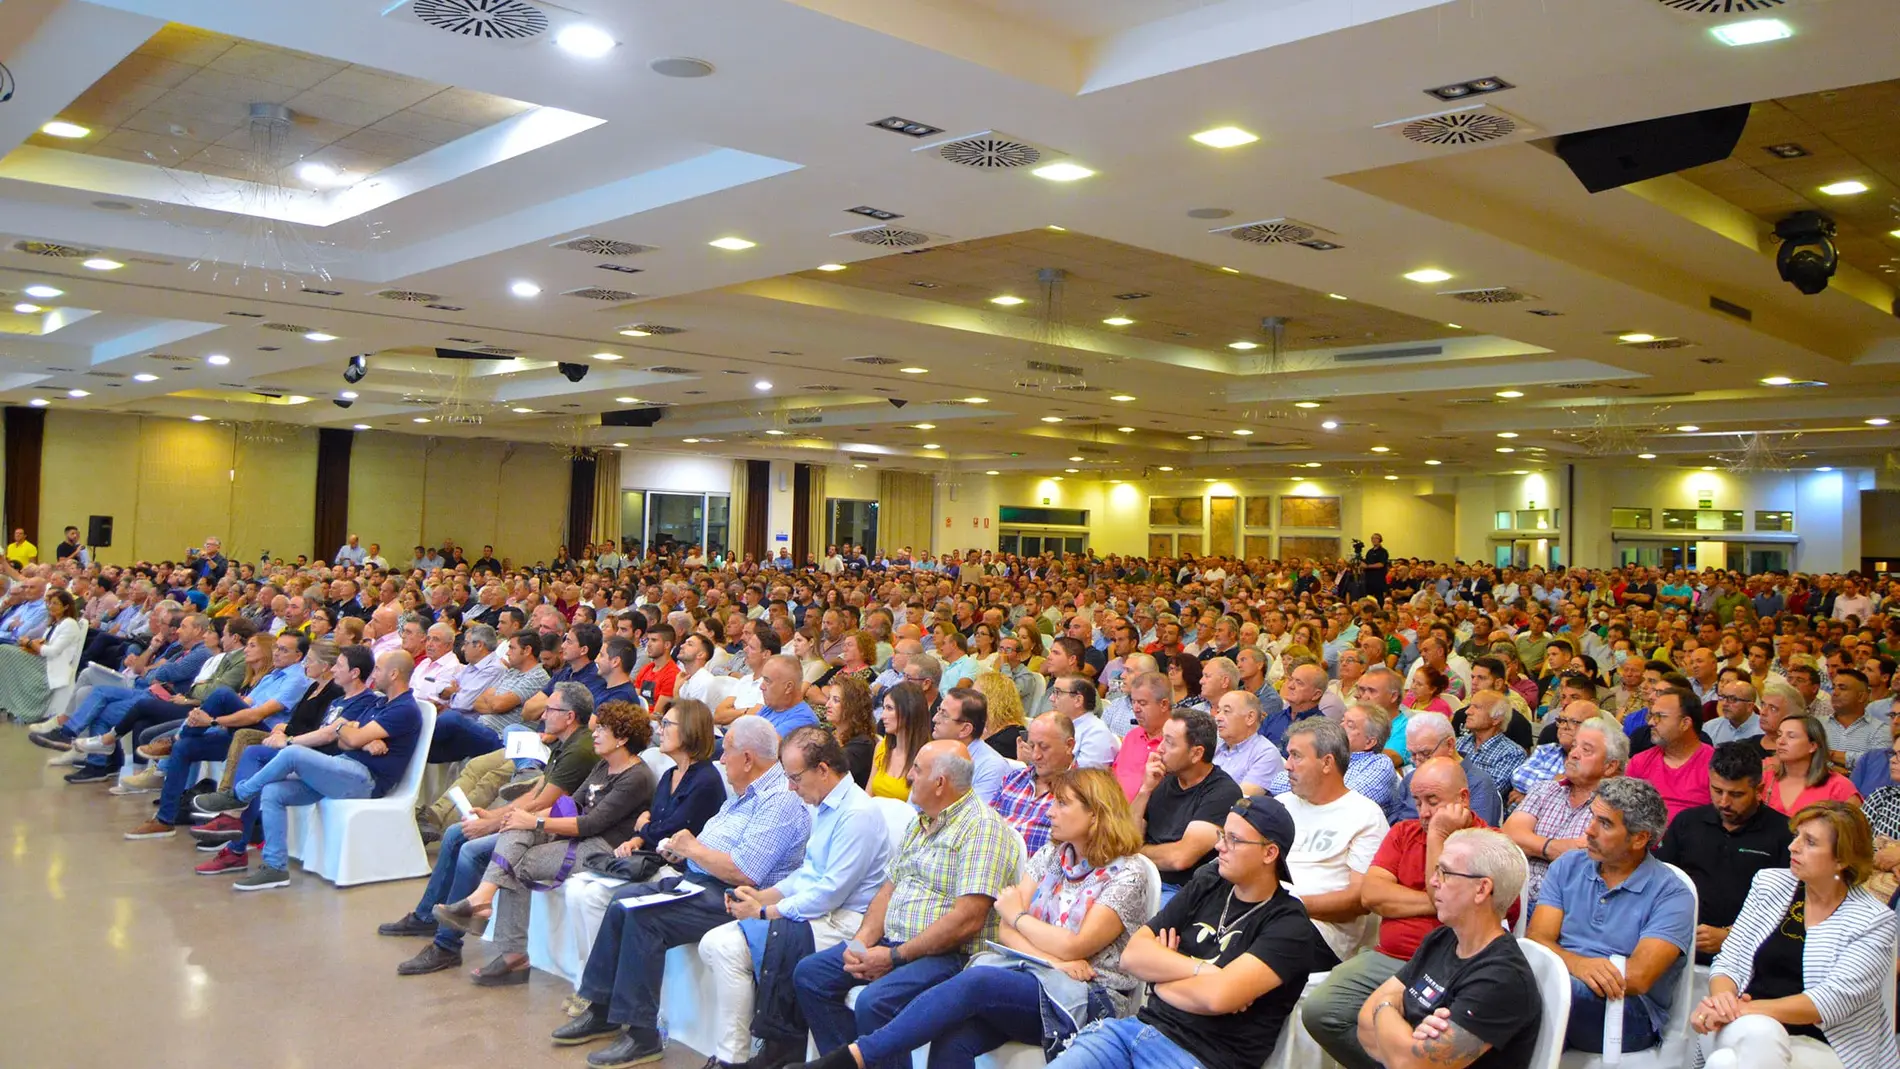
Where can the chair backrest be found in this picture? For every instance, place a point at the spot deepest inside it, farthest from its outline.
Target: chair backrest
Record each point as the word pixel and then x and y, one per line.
pixel 1037 685
pixel 1676 1037
pixel 1524 907
pixel 718 689
pixel 898 817
pixel 411 781
pixel 1553 988
pixel 657 761
pixel 1153 901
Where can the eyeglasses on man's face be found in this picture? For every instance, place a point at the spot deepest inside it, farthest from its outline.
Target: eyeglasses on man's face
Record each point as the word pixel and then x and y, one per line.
pixel 1222 838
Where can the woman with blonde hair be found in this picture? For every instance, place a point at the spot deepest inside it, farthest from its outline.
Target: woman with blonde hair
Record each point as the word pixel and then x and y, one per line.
pixel 1008 722
pixel 1081 896
pixel 1801 980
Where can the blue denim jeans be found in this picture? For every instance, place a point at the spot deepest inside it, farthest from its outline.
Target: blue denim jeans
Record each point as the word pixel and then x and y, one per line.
pixel 1585 1031
pixel 458 871
pixel 193 745
pixel 298 775
pixel 822 985
pixel 459 737
pixel 1124 1043
pixel 970 1014
pixel 628 959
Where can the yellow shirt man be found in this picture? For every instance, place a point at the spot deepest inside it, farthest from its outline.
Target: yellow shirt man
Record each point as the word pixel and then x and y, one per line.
pixel 20 551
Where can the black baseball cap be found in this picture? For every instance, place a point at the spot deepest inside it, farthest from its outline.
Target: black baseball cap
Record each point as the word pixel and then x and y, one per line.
pixel 1274 824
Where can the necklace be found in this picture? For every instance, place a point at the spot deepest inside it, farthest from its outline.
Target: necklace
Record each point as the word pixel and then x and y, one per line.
pixel 1225 925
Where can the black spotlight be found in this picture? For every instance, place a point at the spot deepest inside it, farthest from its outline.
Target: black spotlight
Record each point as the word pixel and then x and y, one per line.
pixel 358 367
pixel 574 372
pixel 897 402
pixel 342 402
pixel 1808 257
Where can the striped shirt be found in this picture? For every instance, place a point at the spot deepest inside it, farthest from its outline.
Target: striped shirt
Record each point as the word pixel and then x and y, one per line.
pixel 966 850
pixel 1025 811
pixel 1498 756
pixel 1544 764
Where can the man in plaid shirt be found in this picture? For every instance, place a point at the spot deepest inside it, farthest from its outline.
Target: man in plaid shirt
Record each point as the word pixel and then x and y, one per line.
pixel 1551 820
pixel 936 908
pixel 1024 797
pixel 1485 743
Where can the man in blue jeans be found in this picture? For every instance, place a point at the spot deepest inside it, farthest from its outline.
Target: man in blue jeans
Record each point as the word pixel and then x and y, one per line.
pixel 206 735
pixel 105 705
pixel 360 751
pixel 468 845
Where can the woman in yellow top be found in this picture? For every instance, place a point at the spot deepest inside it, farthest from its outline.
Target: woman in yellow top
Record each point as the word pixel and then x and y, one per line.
pixel 905 717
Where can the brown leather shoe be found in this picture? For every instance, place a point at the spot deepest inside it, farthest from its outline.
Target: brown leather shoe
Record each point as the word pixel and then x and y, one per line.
pixel 157 748
pixel 152 829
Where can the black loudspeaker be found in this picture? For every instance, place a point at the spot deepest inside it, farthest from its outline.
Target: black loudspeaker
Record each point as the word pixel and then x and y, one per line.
pixel 99 531
pixel 632 417
pixel 1618 155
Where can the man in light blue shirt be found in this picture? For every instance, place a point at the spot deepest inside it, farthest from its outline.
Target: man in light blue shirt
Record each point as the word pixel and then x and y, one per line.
pixel 779 684
pixel 845 862
pixel 350 552
pixel 963 716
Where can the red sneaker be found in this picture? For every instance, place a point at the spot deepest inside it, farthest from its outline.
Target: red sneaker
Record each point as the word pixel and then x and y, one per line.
pixel 224 861
pixel 223 828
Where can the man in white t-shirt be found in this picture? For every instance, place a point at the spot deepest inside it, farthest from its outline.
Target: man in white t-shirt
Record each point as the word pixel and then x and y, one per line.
pixel 695 681
pixel 1339 833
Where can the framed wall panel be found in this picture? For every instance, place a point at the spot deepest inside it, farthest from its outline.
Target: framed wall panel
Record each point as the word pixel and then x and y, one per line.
pixel 1160 545
pixel 1320 512
pixel 1260 546
pixel 1294 547
pixel 1188 544
pixel 1222 512
pixel 1174 512
pixel 1260 512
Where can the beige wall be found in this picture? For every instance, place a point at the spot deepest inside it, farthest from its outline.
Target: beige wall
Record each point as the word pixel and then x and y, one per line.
pixel 406 489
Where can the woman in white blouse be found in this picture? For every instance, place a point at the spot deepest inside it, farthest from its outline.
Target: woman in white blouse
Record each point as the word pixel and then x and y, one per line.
pixel 31 671
pixel 1800 982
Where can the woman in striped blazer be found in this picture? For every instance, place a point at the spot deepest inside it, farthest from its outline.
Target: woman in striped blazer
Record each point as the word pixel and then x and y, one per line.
pixel 1800 981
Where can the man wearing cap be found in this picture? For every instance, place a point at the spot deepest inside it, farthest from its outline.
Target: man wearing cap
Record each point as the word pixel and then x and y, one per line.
pixel 1227 958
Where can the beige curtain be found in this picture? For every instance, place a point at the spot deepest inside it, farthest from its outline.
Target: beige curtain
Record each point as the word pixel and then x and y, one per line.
pixel 735 509
pixel 818 511
pixel 905 504
pixel 607 497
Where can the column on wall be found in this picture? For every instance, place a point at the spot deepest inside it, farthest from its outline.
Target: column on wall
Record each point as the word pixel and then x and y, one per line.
pixel 25 439
pixel 802 510
pixel 332 490
pixel 751 497
pixel 606 495
pixel 905 508
pixel 580 503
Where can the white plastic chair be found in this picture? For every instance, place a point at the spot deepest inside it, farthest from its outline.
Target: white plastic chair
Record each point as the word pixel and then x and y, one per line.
pixel 1524 909
pixel 1296 1047
pixel 719 688
pixel 367 840
pixel 657 761
pixel 1037 685
pixel 1553 987
pixel 1677 1041
pixel 898 817
pixel 60 701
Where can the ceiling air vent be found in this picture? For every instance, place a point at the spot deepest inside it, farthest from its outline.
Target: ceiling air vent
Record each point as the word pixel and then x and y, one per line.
pixel 667 369
pixel 411 296
pixel 1471 401
pixel 1280 231
pixel 593 246
pixel 875 361
pixel 888 237
pixel 495 350
pixel 1367 356
pixel 289 328
pixel 508 21
pixel 1080 388
pixel 1476 124
pixel 1659 343
pixel 990 150
pixel 805 421
pixel 1055 369
pixel 595 293
pixel 53 249
pixel 649 330
pixel 1722 7
pixel 1488 295
pixel 108 374
pixel 822 387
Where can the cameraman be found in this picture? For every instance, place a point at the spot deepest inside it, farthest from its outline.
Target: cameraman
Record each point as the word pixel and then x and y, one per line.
pixel 1376 560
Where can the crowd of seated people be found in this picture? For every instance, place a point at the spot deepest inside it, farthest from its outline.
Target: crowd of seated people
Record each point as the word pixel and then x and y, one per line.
pixel 1152 798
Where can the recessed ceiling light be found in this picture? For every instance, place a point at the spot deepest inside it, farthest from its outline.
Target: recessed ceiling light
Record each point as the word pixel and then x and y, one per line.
pixel 1506 449
pixel 1428 274
pixel 64 129
pixel 195 417
pixel 992 471
pixel 359 426
pixel 1510 395
pixel 1072 471
pixel 524 288
pixel 1164 467
pixel 348 395
pixel 1052 419
pixel 1311 464
pixel 1231 270
pixel 927 445
pixel 1776 380
pixel 322 174
pixel 587 42
pixel 620 445
pixel 1381 449
pixel 762 384
pixel 860 467
pixel 732 244
pixel 1844 189
pixel 914 370
pixel 1823 467
pixel 1006 301
pixel 1878 421
pixel 1075 460
pixel 1507 434
pixel 1194 437
pixel 1306 404
pixel 145 376
pixel 521 411
pixel 317 335
pixel 626 400
pixel 775 432
pixel 44 293
pixel 27 309
pixel 1752 32
pixel 690 441
pixel 1063 172
pixel 1434 463
pixel 636 332
pixel 1244 432
pixel 1131 430
pixel 1330 425
pixel 1243 346
pixel 606 356
pixel 1122 397
pixel 924 426
pixel 1688 428
pixel 830 267
pixel 1118 321
pixel 1454 326
pixel 976 400
pixel 1339 297
pixel 1635 339
pixel 1225 137
pixel 217 359
pixel 78 393
pixel 1391 478
pixel 1645 456
pixel 420 419
pixel 101 263
pixel 1708 467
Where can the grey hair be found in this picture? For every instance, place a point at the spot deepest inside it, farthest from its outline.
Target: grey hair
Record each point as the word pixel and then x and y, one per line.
pixel 956 769
pixel 413 618
pixel 1616 745
pixel 1377 675
pixel 753 734
pixel 1140 663
pixel 1248 699
pixel 785 660
pixel 1639 802
pixel 1329 739
pixel 442 631
pixel 1151 684
pixel 1428 724
pixel 1378 722
pixel 1225 666
pixel 1495 857
pixel 929 665
pixel 483 636
pixel 578 698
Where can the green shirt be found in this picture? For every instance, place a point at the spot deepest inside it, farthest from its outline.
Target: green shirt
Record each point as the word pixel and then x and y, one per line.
pixel 571 760
pixel 967 850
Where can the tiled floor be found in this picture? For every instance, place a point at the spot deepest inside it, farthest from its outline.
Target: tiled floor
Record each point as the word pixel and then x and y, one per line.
pixel 123 956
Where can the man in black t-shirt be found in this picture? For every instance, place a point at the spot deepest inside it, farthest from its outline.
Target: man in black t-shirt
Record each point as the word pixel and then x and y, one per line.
pixel 1227 958
pixel 1183 799
pixel 1721 846
pixel 1468 996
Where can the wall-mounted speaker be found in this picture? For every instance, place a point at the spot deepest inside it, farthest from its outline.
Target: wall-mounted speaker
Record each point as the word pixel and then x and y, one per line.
pixel 783 481
pixel 99 531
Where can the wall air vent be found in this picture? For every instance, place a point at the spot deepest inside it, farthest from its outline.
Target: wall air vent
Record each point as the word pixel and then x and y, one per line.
pixel 1731 308
pixel 1488 295
pixel 1080 388
pixel 446 307
pixel 289 328
pixel 822 387
pixel 990 150
pixel 53 249
pixel 1475 124
pixel 495 350
pixel 321 293
pixel 411 296
pixel 805 420
pixel 595 293
pixel 888 237
pixel 875 361
pixel 1659 343
pixel 1053 369
pixel 1254 444
pixel 1280 231
pixel 108 374
pixel 1722 7
pixel 1470 401
pixel 593 246
pixel 505 21
pixel 1370 356
pixel 667 369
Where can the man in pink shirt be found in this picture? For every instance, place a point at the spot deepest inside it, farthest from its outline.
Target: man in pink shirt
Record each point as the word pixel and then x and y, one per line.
pixel 1148 696
pixel 1678 765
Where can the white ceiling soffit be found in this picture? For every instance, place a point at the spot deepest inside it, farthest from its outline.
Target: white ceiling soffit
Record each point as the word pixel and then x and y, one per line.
pixel 1437 378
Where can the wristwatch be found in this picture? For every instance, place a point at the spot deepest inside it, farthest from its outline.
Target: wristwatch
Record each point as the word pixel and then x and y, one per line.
pixel 897 955
pixel 540 823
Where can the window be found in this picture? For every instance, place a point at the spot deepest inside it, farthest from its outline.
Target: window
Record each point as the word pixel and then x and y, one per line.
pixel 850 520
pixel 1020 514
pixel 1702 520
pixel 1632 519
pixel 1503 522
pixel 1533 519
pixel 1774 521
pixel 658 520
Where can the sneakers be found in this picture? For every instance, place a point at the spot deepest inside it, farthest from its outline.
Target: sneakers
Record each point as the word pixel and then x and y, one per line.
pixel 410 924
pixel 264 879
pixel 55 739
pixel 66 757
pixel 145 782
pixel 152 829
pixel 225 861
pixel 221 829
pixel 218 802
pixel 430 958
pixel 92 774
pixel 95 744
pixel 42 727
pixel 157 749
